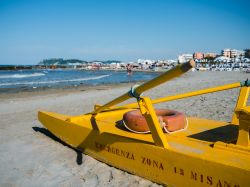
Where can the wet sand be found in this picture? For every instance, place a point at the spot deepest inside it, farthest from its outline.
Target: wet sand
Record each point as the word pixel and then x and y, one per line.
pixel 31 156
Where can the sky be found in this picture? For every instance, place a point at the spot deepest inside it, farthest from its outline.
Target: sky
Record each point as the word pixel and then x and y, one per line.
pixel 126 30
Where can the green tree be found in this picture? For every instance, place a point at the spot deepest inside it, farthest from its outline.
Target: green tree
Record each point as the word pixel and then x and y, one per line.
pixel 247 53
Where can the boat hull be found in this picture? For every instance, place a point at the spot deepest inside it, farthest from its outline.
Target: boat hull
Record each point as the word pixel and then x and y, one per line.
pixel 185 163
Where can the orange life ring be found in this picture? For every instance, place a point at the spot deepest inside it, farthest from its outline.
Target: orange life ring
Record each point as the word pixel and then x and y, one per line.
pixel 170 121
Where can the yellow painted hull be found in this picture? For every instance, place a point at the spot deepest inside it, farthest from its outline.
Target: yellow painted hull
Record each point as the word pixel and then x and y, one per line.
pixel 202 155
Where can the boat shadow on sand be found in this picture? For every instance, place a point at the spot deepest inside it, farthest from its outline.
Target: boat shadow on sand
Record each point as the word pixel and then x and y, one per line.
pixel 53 137
pixel 79 150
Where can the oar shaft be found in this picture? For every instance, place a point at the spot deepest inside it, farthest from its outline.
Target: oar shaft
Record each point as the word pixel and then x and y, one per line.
pixel 196 93
pixel 174 72
pixel 120 99
pixel 188 94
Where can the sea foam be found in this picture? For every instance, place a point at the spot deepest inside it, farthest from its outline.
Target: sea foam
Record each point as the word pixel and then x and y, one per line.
pixel 18 76
pixel 54 81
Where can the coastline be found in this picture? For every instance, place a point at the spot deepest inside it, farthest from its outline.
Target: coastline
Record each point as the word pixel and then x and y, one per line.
pixel 29 81
pixel 8 92
pixel 15 92
pixel 31 156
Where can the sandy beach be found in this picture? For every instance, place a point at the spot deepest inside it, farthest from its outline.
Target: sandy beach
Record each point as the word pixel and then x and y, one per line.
pixel 30 156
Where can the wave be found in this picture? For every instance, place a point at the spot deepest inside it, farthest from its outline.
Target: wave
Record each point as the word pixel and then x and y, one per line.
pixel 55 81
pixel 18 76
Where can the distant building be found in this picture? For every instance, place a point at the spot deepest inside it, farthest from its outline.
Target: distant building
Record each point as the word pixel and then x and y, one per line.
pixel 198 55
pixel 142 61
pixel 226 53
pixel 237 53
pixel 210 55
pixel 233 53
pixel 184 58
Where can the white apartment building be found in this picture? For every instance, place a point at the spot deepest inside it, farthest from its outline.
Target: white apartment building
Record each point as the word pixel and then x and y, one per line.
pixel 143 61
pixel 184 58
pixel 233 53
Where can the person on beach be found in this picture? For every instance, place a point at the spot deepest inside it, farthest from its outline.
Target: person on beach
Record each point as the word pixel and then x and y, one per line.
pixel 129 69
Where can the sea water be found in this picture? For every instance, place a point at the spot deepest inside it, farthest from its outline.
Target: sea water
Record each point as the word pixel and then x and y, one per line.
pixel 32 79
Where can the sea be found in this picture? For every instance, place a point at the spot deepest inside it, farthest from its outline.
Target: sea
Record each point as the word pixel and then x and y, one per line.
pixel 16 80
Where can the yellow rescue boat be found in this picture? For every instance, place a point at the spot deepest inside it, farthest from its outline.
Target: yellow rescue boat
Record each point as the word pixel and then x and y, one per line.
pixel 206 153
